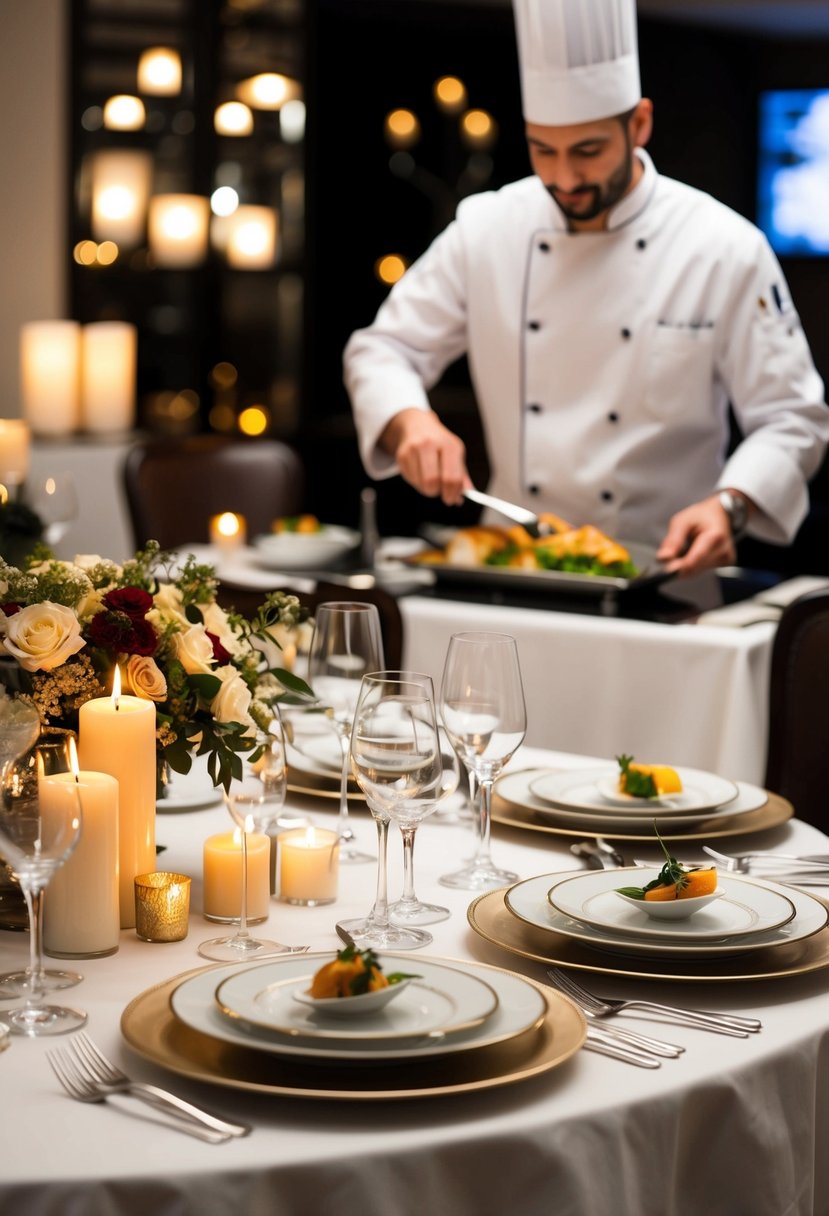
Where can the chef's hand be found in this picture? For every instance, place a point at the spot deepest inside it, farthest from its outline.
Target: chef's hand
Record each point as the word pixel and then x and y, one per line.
pixel 430 456
pixel 698 538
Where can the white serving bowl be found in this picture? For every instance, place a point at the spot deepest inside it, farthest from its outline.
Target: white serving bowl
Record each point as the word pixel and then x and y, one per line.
pixel 353 1006
pixel 672 909
pixel 305 550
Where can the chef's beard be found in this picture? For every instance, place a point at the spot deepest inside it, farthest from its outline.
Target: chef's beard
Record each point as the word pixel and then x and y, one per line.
pixel 603 196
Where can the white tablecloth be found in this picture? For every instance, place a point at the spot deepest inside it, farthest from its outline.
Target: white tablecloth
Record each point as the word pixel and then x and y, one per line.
pixel 732 1128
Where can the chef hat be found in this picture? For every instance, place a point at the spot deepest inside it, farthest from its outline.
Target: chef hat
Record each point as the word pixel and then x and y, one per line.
pixel 579 59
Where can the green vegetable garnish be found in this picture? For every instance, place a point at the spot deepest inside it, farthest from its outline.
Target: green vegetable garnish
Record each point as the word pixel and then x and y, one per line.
pixel 673 872
pixel 638 785
pixel 359 984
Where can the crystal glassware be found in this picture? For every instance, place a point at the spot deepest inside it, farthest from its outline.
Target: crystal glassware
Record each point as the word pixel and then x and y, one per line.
pixel 55 500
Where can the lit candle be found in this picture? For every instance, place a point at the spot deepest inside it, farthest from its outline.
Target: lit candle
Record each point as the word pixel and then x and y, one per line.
pixel 223 876
pixel 81 916
pixel 15 443
pixel 228 530
pixel 120 185
pixel 50 354
pixel 162 906
pixel 159 71
pixel 251 238
pixel 309 860
pixel 178 227
pixel 108 365
pixel 117 736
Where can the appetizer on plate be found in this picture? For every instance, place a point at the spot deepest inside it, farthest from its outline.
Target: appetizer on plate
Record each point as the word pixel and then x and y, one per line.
pixel 352 973
pixel 297 523
pixel 647 780
pixel 695 886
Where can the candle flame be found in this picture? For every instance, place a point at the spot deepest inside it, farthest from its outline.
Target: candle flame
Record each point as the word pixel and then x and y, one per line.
pixel 116 686
pixel 310 837
pixel 228 524
pixel 74 767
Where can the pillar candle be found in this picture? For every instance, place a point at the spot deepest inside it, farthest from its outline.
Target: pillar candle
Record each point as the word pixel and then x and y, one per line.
pixel 50 375
pixel 81 914
pixel 308 866
pixel 108 376
pixel 228 530
pixel 223 876
pixel 15 444
pixel 117 736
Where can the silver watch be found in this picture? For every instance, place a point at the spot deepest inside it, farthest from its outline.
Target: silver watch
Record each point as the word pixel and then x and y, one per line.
pixel 736 508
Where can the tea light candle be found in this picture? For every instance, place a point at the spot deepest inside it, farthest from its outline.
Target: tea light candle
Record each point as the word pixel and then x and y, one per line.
pixel 162 906
pixel 228 530
pixel 81 917
pixel 309 863
pixel 223 876
pixel 15 444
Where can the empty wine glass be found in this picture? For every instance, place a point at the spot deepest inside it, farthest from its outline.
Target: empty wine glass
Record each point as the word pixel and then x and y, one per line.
pixel 346 645
pixel 55 500
pixel 483 710
pixel 395 756
pixel 40 825
pixel 255 802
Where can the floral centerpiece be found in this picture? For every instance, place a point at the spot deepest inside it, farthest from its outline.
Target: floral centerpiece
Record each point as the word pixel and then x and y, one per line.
pixel 212 673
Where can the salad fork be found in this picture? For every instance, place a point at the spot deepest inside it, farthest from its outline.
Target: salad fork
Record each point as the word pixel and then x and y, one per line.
pixel 720 1023
pixel 744 863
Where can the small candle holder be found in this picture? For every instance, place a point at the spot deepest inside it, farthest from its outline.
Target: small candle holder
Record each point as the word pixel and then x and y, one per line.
pixel 309 866
pixel 162 906
pixel 228 531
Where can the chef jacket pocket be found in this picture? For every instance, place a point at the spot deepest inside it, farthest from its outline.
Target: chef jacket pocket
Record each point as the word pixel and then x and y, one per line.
pixel 679 369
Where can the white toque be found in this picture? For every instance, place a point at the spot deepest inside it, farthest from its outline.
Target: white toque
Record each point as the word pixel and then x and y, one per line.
pixel 579 59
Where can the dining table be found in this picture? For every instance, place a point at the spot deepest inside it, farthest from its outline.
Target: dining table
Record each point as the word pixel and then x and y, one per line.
pixel 732 1127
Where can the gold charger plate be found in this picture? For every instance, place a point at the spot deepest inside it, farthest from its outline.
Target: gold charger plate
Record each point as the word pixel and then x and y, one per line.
pixel 776 810
pixel 150 1027
pixel 301 781
pixel 492 920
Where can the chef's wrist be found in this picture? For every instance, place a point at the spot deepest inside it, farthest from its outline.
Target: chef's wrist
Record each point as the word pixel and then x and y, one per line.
pixel 738 508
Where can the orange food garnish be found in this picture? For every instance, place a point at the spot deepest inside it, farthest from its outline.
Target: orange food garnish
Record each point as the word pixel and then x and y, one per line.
pixel 694 883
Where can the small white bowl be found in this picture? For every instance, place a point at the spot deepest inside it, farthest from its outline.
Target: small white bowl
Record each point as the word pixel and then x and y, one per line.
pixel 672 909
pixel 349 1006
pixel 305 550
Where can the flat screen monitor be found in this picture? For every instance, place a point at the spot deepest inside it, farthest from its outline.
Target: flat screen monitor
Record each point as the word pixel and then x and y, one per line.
pixel 793 171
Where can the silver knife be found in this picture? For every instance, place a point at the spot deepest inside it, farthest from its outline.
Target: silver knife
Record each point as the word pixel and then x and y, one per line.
pixel 521 515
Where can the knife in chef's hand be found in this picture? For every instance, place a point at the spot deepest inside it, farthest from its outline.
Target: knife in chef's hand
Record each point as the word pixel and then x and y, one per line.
pixel 521 515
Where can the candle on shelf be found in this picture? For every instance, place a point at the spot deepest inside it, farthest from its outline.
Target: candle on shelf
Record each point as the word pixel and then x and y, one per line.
pixel 223 876
pixel 81 917
pixel 117 736
pixel 108 376
pixel 162 906
pixel 120 180
pixel 178 227
pixel 15 445
pixel 50 353
pixel 309 862
pixel 228 530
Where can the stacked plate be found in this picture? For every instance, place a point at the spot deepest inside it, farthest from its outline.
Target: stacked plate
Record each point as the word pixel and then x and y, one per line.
pixel 456 1026
pixel 314 757
pixel 588 800
pixel 756 928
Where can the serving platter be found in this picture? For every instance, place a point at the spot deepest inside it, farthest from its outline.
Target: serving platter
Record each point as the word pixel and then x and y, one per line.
pixel 151 1029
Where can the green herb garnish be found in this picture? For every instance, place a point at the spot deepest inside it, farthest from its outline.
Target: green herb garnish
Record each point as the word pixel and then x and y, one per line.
pixel 638 785
pixel 359 984
pixel 672 873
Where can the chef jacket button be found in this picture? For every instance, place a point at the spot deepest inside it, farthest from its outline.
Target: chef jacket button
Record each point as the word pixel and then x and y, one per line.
pixel 534 325
pixel 626 333
pixel 613 416
pixel 641 243
pixel 544 247
pixel 533 490
pixel 534 408
pixel 606 496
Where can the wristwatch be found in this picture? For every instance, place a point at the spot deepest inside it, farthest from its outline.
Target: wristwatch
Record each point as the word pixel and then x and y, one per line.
pixel 736 508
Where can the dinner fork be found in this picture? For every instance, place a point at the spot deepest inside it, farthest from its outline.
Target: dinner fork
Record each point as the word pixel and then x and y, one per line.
pixel 744 863
pixel 97 1074
pixel 720 1023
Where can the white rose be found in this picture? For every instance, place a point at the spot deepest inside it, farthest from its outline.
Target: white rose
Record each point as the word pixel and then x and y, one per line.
pixel 43 636
pixel 194 650
pixel 232 702
pixel 145 678
pixel 215 619
pixel 168 605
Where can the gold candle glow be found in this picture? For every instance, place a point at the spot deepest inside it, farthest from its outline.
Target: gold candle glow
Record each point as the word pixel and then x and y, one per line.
pixel 309 862
pixel 162 906
pixel 15 445
pixel 223 876
pixel 228 530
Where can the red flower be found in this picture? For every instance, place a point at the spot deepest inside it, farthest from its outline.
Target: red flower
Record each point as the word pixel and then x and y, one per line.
pixel 219 653
pixel 11 608
pixel 119 632
pixel 134 601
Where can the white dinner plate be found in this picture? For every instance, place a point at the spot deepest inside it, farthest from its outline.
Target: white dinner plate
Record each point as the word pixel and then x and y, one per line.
pixel 745 908
pixel 528 901
pixel 521 1007
pixel 516 788
pixel 441 1001
pixel 596 790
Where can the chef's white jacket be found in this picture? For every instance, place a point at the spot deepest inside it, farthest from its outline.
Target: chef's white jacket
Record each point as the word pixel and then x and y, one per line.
pixel 603 363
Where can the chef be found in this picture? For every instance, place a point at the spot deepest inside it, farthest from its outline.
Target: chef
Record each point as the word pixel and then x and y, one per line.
pixel 609 316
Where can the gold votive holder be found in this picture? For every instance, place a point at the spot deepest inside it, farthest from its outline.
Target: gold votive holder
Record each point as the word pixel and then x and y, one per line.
pixel 162 906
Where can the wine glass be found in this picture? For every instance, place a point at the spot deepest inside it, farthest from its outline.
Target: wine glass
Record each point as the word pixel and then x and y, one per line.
pixel 55 500
pixel 255 802
pixel 483 710
pixel 346 644
pixel 395 756
pixel 40 825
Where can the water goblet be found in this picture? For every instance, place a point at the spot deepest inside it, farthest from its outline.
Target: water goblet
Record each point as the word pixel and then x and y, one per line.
pixel 55 500
pixel 484 713
pixel 40 825
pixel 346 645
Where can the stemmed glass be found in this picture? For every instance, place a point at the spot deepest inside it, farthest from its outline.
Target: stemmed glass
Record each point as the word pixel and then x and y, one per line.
pixel 483 710
pixel 346 645
pixel 40 825
pixel 55 501
pixel 255 802
pixel 396 759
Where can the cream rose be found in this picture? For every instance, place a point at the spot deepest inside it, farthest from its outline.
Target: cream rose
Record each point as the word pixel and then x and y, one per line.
pixel 167 603
pixel 43 636
pixel 194 650
pixel 232 702
pixel 145 679
pixel 215 619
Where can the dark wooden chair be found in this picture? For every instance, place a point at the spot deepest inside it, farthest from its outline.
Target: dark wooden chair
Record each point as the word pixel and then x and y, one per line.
pixel 798 749
pixel 173 486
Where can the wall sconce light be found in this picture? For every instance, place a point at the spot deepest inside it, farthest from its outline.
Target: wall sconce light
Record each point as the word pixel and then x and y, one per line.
pixel 178 229
pixel 449 94
pixel 268 90
pixel 124 112
pixel 233 118
pixel 108 376
pixel 251 238
pixel 159 71
pixel 478 129
pixel 50 363
pixel 120 188
pixel 401 128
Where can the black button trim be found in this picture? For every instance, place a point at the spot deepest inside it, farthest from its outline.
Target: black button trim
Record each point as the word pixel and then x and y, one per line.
pixel 544 247
pixel 533 490
pixel 641 243
pixel 606 496
pixel 626 333
pixel 535 408
pixel 534 325
pixel 613 416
